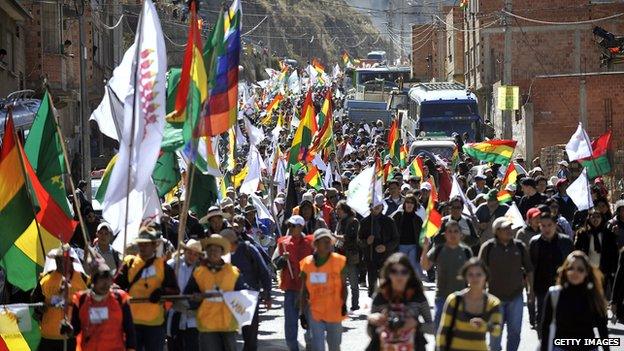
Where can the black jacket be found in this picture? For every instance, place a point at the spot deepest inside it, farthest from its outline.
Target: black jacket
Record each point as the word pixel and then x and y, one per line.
pixel 566 207
pixel 385 232
pixel 350 248
pixel 608 250
pixel 617 299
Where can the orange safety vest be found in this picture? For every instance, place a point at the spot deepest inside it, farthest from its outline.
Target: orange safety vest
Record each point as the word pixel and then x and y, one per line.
pixel 101 322
pixel 213 315
pixel 147 313
pixel 324 285
pixel 51 289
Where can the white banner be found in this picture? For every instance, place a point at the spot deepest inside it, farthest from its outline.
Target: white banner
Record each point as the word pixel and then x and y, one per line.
pixel 242 304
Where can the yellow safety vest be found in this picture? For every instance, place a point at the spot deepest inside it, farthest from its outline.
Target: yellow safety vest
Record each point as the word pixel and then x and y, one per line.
pixel 213 315
pixel 51 289
pixel 151 279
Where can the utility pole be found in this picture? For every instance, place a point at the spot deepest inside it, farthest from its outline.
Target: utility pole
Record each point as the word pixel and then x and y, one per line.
pixel 85 131
pixel 402 32
pixel 507 113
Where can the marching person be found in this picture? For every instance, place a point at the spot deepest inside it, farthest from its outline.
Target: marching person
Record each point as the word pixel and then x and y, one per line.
pixel 101 316
pixel 348 242
pixel 379 238
pixel 215 322
pixel 409 225
pixel 291 249
pixel 400 294
pixel 148 276
pixel 470 314
pixel 181 322
pixel 103 247
pixel 256 275
pixel 575 306
pixel 324 292
pixel 56 287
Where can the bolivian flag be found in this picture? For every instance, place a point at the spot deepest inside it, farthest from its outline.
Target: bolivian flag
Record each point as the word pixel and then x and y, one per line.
pixel 313 178
pixel 416 168
pixel 511 176
pixel 26 238
pixel 270 108
pixel 433 221
pixel 496 151
pixel 393 143
pixel 305 131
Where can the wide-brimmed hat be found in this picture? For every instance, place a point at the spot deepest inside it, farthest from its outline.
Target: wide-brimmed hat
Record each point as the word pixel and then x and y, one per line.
pixel 216 239
pixel 148 234
pixel 192 245
pixel 59 251
pixel 227 202
pixel 213 211
pixel 250 208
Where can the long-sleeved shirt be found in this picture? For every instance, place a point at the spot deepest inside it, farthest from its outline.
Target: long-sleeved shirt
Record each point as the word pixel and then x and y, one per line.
pixel 384 230
pixel 465 335
pixel 254 271
pixel 185 272
pixel 575 318
pixel 546 257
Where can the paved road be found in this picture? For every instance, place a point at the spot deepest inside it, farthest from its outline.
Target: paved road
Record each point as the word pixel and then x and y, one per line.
pixel 355 337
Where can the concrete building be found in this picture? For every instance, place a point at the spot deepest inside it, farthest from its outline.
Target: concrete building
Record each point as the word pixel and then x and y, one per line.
pixel 12 66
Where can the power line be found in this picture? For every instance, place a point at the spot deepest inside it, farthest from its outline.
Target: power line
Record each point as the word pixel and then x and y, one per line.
pixel 561 23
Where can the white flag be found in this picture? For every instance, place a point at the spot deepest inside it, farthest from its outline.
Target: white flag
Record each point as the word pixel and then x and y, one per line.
pixel 109 122
pixel 144 120
pixel 360 191
pixel 456 190
pixel 262 212
pixel 348 150
pixel 514 215
pixel 293 83
pixel 242 304
pixel 318 162
pixel 579 145
pixel 280 174
pixel 255 134
pixel 579 192
pixel 327 180
pixel 255 164
pixel 336 71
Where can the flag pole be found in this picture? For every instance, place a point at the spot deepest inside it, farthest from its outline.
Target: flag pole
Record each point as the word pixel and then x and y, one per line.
pixel 135 63
pixel 188 184
pixel 83 226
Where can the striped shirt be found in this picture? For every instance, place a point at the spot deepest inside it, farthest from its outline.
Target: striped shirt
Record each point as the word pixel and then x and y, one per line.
pixel 465 336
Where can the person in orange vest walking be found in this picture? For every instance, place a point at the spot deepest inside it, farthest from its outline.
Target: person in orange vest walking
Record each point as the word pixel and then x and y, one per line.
pixel 56 287
pixel 101 317
pixel 323 294
pixel 148 276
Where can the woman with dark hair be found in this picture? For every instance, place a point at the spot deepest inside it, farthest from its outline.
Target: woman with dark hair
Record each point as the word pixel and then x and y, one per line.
pixel 599 244
pixel 400 314
pixel 409 224
pixel 471 313
pixel 575 306
pixel 347 244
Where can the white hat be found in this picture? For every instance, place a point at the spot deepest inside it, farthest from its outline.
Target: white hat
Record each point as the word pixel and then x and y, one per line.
pixel 296 220
pixel 425 186
pixel 279 200
pixel 104 225
pixel 501 222
pixel 563 163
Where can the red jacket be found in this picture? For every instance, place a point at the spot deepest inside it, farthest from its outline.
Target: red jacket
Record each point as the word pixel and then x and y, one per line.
pixel 298 249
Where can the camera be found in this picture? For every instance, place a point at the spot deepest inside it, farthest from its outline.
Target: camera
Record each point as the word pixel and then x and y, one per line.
pixel 395 321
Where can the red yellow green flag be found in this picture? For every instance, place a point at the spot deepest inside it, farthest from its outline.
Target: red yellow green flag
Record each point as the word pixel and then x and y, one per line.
pixel 433 221
pixel 455 158
pixel 325 135
pixel 313 178
pixel 510 178
pixel 393 142
pixel 416 168
pixel 272 106
pixel 305 131
pixel 496 151
pixel 403 156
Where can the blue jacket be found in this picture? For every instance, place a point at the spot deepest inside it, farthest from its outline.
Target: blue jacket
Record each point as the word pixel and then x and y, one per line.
pixel 254 271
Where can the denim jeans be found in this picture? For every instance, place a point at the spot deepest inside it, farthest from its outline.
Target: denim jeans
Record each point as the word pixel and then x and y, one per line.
pixel 439 305
pixel 353 277
pixel 412 253
pixel 512 316
pixel 150 338
pixel 291 320
pixel 323 331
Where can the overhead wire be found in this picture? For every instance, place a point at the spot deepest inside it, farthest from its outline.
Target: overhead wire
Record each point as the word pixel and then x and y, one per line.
pixel 561 23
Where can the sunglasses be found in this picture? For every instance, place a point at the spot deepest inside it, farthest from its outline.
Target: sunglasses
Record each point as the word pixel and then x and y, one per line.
pixel 399 272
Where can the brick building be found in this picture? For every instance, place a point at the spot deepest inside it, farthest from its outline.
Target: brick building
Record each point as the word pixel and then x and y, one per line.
pixel 12 65
pixel 538 49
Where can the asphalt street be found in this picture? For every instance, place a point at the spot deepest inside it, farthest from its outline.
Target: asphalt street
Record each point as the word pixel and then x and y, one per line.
pixel 355 337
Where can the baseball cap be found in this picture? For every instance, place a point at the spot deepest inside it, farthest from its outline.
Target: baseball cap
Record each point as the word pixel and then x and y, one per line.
pixel 533 212
pixel 323 233
pixel 104 225
pixel 296 220
pixel 480 177
pixel 425 186
pixel 501 222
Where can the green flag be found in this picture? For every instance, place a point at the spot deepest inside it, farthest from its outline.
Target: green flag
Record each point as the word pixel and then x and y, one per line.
pixel 166 174
pixel 204 193
pixel 43 149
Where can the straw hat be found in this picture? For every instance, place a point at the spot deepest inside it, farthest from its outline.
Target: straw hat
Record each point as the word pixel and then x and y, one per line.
pixel 192 245
pixel 213 211
pixel 148 234
pixel 216 239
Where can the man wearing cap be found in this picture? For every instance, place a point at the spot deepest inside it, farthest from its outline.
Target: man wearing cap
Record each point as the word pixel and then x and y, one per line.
pixel 54 292
pixel 148 276
pixel 477 188
pixel 181 323
pixel 255 274
pixel 101 316
pixel 531 228
pixel 291 249
pixel 616 224
pixel 215 322
pixel 469 234
pixel 279 210
pixel 509 264
pixel 260 232
pixel 379 239
pixel 532 198
pixel 324 292
pixel 563 172
pixel 566 205
pixel 215 219
pixel 103 247
pixel 425 191
pixel 487 213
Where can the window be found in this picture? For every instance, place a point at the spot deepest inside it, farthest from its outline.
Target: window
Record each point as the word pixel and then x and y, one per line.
pixel 449 49
pixel 7 44
pixel 51 27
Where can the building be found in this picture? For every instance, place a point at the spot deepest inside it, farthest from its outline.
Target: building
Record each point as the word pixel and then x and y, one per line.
pixel 536 49
pixel 12 66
